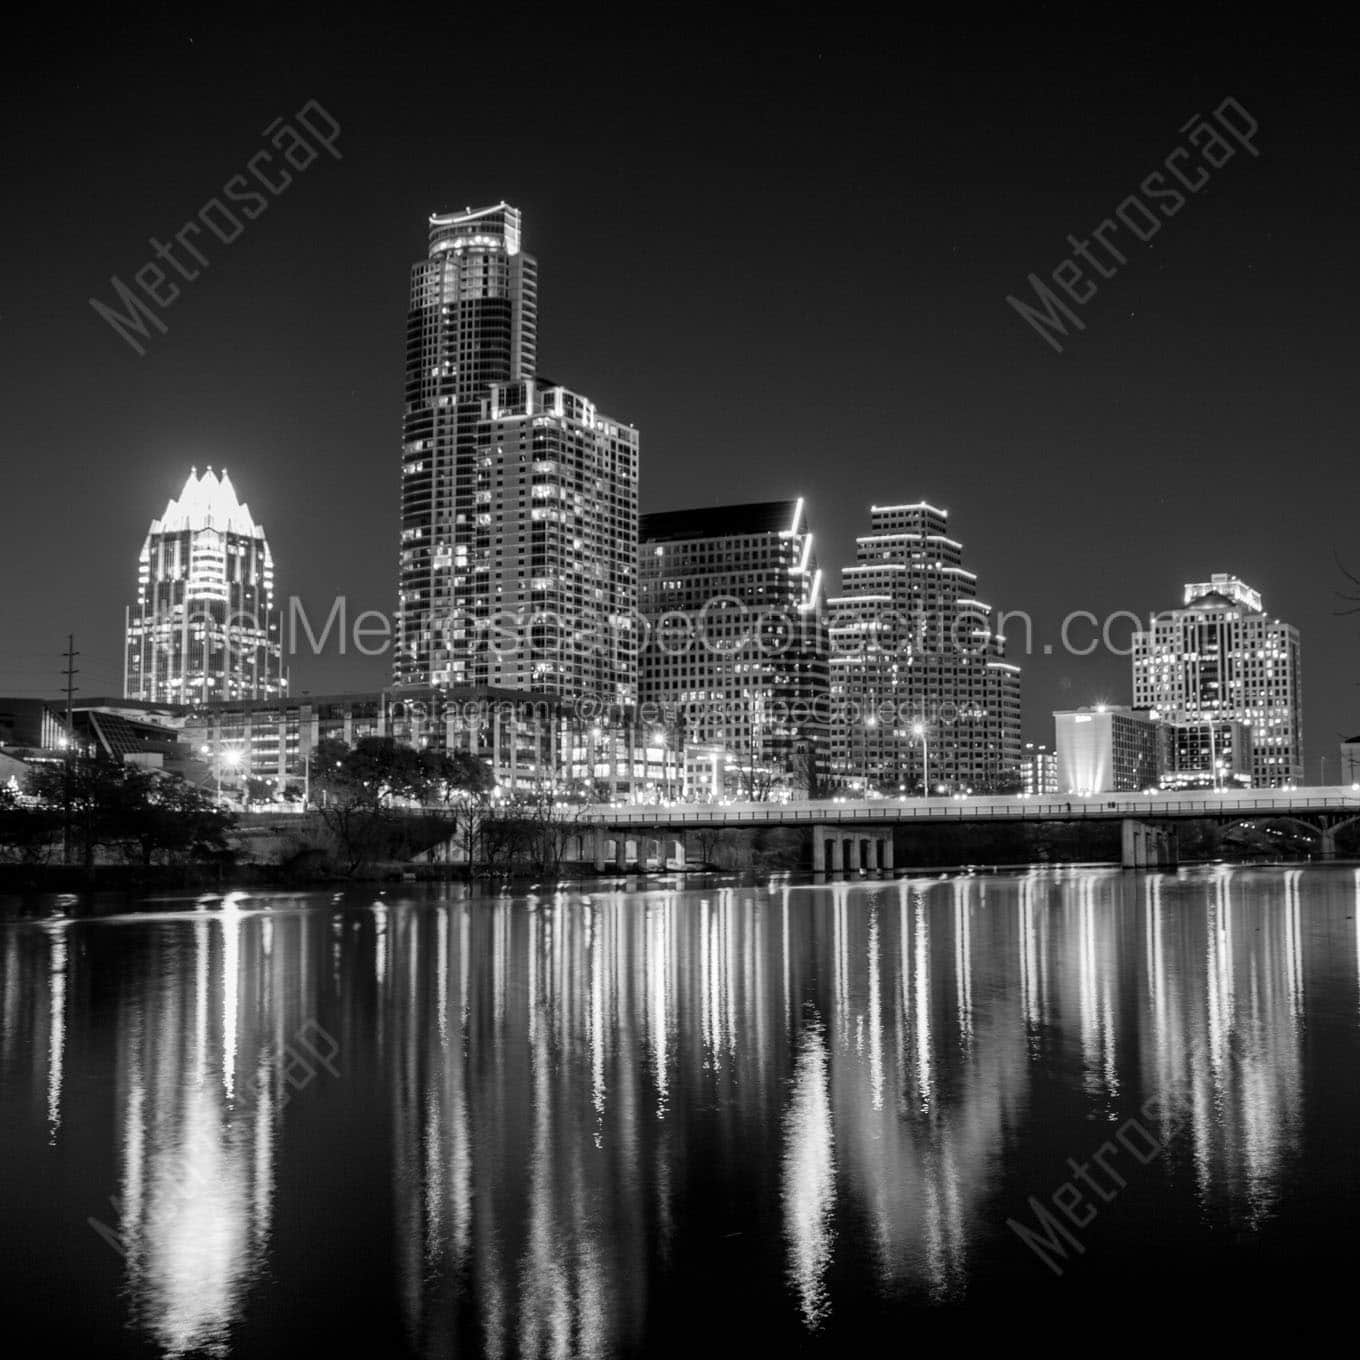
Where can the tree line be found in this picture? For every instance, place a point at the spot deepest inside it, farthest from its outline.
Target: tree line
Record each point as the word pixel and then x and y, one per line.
pixel 130 813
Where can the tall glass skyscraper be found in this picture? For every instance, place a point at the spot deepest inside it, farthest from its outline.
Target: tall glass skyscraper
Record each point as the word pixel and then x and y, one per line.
pixel 519 497
pixel 204 627
pixel 473 321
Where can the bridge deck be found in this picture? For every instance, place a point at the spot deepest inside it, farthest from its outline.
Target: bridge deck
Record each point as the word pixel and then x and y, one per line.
pixel 1255 803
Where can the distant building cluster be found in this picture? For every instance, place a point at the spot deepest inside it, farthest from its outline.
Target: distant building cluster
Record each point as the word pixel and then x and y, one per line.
pixel 545 626
pixel 1217 704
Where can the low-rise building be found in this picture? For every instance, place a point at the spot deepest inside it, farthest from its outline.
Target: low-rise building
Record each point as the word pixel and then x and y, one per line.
pixel 1107 749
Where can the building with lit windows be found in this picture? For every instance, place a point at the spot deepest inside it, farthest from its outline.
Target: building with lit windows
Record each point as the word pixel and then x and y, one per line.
pixel 529 741
pixel 1107 749
pixel 1038 769
pixel 918 674
pixel 472 322
pixel 204 628
pixel 551 591
pixel 1221 657
pixel 735 653
pixel 1206 755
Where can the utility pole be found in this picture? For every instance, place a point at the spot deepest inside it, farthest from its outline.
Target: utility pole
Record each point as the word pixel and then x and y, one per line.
pixel 70 673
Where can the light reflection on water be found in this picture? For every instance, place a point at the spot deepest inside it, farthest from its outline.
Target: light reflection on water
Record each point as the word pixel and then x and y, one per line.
pixel 576 1118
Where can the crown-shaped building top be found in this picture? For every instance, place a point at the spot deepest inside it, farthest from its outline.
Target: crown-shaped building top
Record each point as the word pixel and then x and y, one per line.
pixel 207 502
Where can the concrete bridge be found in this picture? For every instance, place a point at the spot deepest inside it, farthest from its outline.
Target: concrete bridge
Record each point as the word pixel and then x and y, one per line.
pixel 849 836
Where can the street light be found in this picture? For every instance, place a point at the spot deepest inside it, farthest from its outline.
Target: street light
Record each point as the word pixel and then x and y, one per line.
pixel 232 759
pixel 918 729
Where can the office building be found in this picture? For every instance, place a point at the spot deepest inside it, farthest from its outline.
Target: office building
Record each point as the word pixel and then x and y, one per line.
pixel 1107 749
pixel 1221 657
pixel 1206 755
pixel 735 653
pixel 204 628
pixel 918 674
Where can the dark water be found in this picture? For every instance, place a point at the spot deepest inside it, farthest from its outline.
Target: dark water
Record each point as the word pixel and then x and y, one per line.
pixel 722 1121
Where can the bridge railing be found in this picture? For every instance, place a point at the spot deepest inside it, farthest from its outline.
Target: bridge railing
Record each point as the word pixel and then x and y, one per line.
pixel 1094 806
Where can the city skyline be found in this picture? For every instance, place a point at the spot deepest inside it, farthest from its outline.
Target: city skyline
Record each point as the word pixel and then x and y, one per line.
pixel 1068 475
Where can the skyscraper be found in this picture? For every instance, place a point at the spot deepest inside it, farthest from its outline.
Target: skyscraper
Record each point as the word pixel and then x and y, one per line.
pixel 204 627
pixel 1220 657
pixel 918 675
pixel 552 588
pixel 736 647
pixel 473 321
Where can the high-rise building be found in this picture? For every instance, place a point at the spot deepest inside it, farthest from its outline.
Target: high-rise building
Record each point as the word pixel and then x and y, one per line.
pixel 473 321
pixel 518 563
pixel 204 627
pixel 550 601
pixel 1221 657
pixel 736 650
pixel 919 678
pixel 1107 749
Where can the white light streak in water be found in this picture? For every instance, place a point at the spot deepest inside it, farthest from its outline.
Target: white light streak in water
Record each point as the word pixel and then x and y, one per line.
pixel 809 1176
pixel 56 1027
pixel 1293 943
pixel 921 1035
pixel 658 923
pixel 875 1014
pixel 597 1036
pixel 229 918
pixel 1029 963
pixel 963 960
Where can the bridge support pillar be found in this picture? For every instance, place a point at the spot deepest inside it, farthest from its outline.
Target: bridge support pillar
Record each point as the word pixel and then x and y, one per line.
pixel 1142 846
pixel 1327 843
pixel 885 854
pixel 620 851
pixel 819 839
pixel 597 849
pixel 837 854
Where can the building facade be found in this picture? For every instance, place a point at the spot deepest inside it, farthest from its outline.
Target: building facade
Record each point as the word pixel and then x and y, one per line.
pixel 472 322
pixel 1207 755
pixel 551 594
pixel 1038 769
pixel 529 741
pixel 1107 750
pixel 204 628
pixel 735 648
pixel 919 678
pixel 1221 657
pixel 1350 761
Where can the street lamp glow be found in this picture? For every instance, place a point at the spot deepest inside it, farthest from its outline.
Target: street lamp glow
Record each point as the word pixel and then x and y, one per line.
pixel 918 729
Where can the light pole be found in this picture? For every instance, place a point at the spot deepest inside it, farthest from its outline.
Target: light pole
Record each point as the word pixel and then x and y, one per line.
pixel 918 729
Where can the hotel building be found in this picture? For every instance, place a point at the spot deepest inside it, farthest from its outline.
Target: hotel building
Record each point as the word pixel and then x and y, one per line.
pixel 1107 750
pixel 918 674
pixel 735 653
pixel 1220 658
pixel 204 628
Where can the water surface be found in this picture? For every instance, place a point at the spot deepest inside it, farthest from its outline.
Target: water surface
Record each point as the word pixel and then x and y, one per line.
pixel 782 1117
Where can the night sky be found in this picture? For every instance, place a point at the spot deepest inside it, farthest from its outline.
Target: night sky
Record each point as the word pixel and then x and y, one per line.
pixel 781 247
